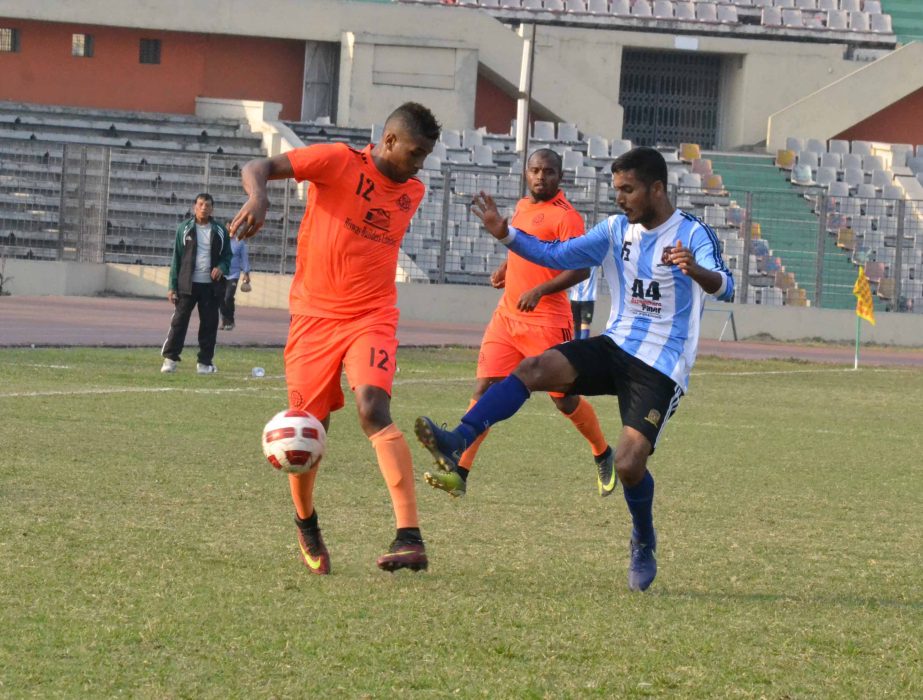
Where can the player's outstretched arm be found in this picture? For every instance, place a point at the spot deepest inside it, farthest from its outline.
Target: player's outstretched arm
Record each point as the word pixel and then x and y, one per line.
pixel 485 208
pixel 254 176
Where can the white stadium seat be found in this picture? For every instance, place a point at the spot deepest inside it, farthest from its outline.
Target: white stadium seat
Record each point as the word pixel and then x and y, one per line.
pixel 837 19
pixel 792 18
pixel 728 14
pixel 641 8
pixel 881 24
pixel 859 22
pixel 706 12
pixel 663 9
pixel 771 17
pixel 543 131
pixel 684 10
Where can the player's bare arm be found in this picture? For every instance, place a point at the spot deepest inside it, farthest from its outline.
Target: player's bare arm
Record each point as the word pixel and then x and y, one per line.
pixel 485 208
pixel 683 258
pixel 498 276
pixel 529 300
pixel 254 176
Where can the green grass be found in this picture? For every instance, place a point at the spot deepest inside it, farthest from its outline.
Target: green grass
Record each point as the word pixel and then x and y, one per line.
pixel 147 550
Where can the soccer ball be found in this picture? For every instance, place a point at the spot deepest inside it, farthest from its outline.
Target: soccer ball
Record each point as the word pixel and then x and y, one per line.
pixel 293 441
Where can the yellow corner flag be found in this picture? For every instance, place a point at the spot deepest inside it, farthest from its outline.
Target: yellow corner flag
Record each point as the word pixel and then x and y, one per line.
pixel 864 306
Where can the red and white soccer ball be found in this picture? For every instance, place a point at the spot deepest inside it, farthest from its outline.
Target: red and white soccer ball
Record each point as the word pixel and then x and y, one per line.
pixel 294 441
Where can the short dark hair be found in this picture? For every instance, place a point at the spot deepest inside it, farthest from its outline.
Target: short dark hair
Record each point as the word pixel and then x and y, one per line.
pixel 416 118
pixel 648 164
pixel 206 196
pixel 548 154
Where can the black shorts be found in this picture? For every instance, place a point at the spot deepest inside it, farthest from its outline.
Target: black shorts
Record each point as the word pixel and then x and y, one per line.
pixel 583 313
pixel 647 398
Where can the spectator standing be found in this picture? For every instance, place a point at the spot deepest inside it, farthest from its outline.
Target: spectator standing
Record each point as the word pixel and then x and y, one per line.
pixel 240 272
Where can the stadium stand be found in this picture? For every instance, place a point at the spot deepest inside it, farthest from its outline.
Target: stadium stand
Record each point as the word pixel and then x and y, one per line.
pixel 811 20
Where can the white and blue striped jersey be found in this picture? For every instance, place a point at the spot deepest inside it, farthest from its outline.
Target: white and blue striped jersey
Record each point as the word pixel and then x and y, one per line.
pixel 586 290
pixel 656 309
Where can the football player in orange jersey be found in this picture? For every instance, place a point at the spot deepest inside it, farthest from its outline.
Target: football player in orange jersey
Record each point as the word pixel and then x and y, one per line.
pixel 343 302
pixel 533 315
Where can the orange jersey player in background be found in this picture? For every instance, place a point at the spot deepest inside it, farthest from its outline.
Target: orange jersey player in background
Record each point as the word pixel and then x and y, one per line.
pixel 533 315
pixel 343 302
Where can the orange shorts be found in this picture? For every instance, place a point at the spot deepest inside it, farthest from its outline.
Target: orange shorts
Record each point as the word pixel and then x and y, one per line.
pixel 319 349
pixel 507 342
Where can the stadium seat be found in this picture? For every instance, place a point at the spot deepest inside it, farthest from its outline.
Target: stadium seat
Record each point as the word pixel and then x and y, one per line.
pixel 881 178
pixel 838 189
pixel 451 138
pixel 809 158
pixel 620 7
pixel 702 166
pixel 828 4
pixel 641 8
pixel 837 19
pixel 872 7
pixel 684 10
pixel 543 131
pixel 440 151
pixel 483 155
pixel 534 5
pixel 432 163
pixel 688 152
pixel 568 132
pixel 598 7
pixel 806 4
pixel 863 148
pixel 792 18
pixel 886 288
pixel 554 5
pixel 690 181
pixel 850 5
pixel 597 147
pixel 866 190
pixel 472 138
pixel 793 143
pixel 838 146
pixel 727 14
pixel 715 216
pixel 572 159
pixel 771 17
pixel 620 146
pixel 859 22
pixel 851 160
pixel 825 175
pixel 815 146
pixel 801 175
pixel 706 12
pixel 846 238
pixel 881 24
pixel 871 162
pixel 853 177
pixel 892 192
pixel 783 4
pixel 575 7
pixel 831 160
pixel 663 9
pixel 785 159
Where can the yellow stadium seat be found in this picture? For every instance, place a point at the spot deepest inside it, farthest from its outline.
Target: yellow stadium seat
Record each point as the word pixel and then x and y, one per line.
pixel 756 230
pixel 714 184
pixel 886 288
pixel 785 159
pixel 846 238
pixel 688 152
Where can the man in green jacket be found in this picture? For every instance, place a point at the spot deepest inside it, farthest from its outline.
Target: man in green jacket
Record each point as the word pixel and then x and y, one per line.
pixel 201 261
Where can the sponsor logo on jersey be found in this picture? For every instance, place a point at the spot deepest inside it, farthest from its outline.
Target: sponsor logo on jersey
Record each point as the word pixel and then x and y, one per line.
pixel 378 218
pixel 653 417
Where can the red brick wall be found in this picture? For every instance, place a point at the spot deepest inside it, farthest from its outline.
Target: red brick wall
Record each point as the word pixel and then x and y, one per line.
pixel 901 122
pixel 192 65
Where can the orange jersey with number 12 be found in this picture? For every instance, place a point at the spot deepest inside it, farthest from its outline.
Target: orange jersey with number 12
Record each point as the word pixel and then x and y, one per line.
pixel 350 236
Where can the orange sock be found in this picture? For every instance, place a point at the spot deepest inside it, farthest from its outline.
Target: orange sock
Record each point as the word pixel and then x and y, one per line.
pixel 585 420
pixel 467 458
pixel 396 466
pixel 302 487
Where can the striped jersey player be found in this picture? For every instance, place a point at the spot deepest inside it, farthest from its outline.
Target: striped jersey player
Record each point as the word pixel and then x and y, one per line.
pixel 661 263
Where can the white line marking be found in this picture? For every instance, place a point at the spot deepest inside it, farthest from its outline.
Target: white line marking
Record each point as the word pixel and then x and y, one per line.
pixel 123 390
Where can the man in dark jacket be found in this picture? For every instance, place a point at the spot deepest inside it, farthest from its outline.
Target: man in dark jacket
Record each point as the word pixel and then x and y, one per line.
pixel 201 261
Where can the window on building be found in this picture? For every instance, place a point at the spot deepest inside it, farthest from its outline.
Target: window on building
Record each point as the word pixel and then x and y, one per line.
pixel 9 40
pixel 82 45
pixel 150 51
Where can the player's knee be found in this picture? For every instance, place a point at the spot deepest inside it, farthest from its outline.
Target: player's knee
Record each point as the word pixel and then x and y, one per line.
pixel 566 404
pixel 530 371
pixel 374 414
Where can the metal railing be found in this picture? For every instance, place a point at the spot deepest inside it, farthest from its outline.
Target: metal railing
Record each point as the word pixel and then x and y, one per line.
pixel 794 247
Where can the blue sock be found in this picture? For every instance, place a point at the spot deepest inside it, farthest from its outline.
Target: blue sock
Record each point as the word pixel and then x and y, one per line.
pixel 640 500
pixel 498 403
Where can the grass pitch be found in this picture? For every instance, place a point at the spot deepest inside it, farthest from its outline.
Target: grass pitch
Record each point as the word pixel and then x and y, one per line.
pixel 147 550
